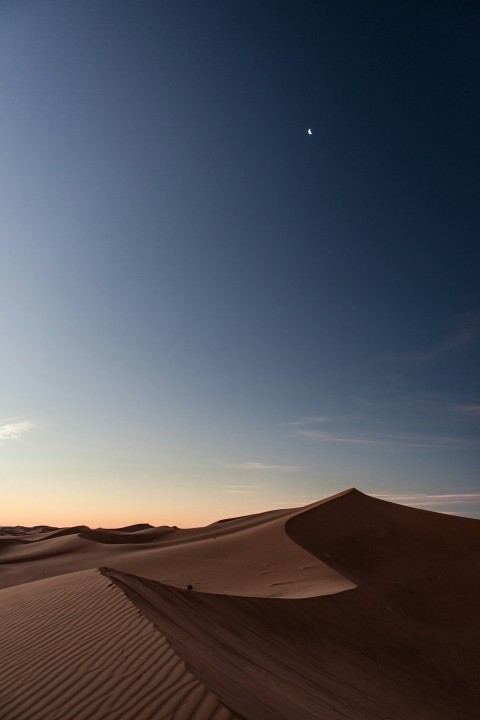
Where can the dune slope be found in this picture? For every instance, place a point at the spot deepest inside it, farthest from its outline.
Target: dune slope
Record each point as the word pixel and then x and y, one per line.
pixel 331 657
pixel 347 609
pixel 250 556
pixel 423 564
pixel 74 647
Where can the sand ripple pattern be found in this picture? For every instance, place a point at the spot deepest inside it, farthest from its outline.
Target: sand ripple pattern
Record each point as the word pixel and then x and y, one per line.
pixel 75 647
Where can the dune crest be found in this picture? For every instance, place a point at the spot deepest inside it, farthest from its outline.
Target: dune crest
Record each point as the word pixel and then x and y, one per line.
pixel 247 556
pixel 338 656
pixel 75 648
pixel 422 563
pixel 349 608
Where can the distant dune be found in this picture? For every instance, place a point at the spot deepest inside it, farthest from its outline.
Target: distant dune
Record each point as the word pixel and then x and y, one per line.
pixel 351 608
pixel 22 530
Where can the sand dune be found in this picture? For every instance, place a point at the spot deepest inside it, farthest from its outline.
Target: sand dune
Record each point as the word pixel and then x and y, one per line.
pixel 127 536
pixel 422 563
pixel 350 608
pixel 250 556
pixel 75 647
pixel 136 528
pixel 22 530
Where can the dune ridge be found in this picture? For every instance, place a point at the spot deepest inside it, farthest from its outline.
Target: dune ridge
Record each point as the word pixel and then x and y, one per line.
pixel 422 563
pixel 346 609
pixel 251 556
pixel 127 536
pixel 334 657
pixel 74 647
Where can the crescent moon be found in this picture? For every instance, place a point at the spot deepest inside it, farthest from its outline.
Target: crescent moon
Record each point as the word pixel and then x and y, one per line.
pixel 309 131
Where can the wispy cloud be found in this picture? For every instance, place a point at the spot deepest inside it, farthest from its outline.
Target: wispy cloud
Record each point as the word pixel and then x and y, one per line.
pixel 472 410
pixel 262 466
pixel 417 420
pixel 441 497
pixel 13 431
pixel 308 420
pixel 434 408
pixel 407 440
pixel 435 500
pixel 243 489
pixel 466 333
pixel 336 437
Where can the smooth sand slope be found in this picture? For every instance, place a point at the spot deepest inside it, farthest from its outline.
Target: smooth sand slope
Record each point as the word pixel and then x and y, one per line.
pixel 250 556
pixel 352 608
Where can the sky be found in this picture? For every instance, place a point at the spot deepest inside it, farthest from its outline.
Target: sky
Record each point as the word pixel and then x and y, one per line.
pixel 206 311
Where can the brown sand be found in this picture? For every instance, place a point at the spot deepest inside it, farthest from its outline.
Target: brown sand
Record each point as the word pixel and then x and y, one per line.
pixel 250 556
pixel 74 647
pixel 352 608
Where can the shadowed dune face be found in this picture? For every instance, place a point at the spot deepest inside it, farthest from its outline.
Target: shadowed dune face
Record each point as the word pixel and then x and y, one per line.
pixel 23 535
pixel 350 608
pixel 136 528
pixel 422 563
pixel 128 535
pixel 62 532
pixel 22 530
pixel 5 542
pixel 338 656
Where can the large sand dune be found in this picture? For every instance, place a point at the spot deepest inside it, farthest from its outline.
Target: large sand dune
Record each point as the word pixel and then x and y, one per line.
pixel 75 647
pixel 351 608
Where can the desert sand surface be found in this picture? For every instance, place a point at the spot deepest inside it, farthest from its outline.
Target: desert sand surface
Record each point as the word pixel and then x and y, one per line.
pixel 77 648
pixel 350 608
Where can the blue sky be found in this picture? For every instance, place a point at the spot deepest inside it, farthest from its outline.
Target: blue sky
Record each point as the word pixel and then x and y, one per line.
pixel 207 311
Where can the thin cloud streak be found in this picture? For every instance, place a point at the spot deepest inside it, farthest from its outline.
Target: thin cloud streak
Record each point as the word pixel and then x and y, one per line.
pixel 470 410
pixel 412 440
pixel 261 466
pixel 243 489
pixel 428 406
pixel 312 420
pixel 13 431
pixel 465 335
pixel 239 492
pixel 335 438
pixel 433 500
pixel 424 496
pixel 437 502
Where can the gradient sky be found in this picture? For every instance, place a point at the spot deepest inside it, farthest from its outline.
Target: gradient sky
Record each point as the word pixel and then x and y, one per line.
pixel 207 312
